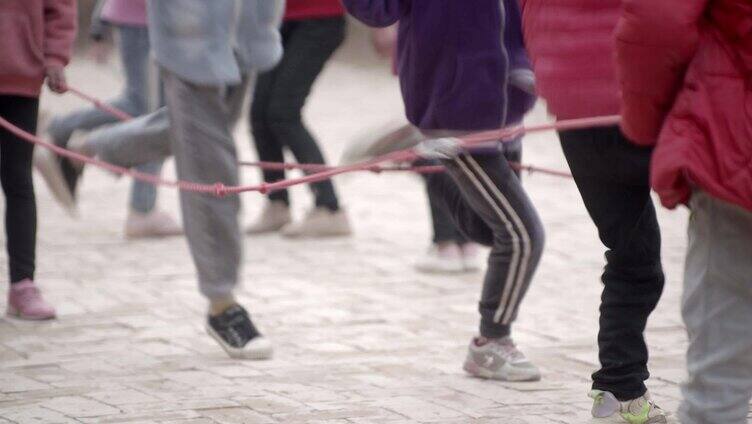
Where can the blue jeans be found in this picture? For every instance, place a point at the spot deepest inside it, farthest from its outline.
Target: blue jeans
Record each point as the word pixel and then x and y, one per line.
pixel 134 55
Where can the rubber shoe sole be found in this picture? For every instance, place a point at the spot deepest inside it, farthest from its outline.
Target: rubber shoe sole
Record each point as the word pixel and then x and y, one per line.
pixel 506 373
pixel 16 315
pixel 258 349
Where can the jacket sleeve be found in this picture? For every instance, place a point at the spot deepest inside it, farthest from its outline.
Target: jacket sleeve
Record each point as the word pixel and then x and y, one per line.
pixel 376 13
pixel 59 31
pixel 655 41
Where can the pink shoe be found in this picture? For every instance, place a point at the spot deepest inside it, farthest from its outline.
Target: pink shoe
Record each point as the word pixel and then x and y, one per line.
pixel 25 302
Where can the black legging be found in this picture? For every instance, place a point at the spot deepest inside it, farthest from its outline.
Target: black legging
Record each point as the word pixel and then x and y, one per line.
pixel 280 95
pixel 15 174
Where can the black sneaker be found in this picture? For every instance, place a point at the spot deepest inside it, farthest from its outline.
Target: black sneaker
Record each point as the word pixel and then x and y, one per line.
pixel 237 335
pixel 50 167
pixel 71 174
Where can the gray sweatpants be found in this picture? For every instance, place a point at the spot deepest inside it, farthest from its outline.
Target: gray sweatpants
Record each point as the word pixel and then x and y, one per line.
pixel 147 138
pixel 201 121
pixel 141 140
pixel 196 128
pixel 717 309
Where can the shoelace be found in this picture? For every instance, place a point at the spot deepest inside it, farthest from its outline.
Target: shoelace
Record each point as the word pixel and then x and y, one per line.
pixel 508 351
pixel 599 400
pixel 235 329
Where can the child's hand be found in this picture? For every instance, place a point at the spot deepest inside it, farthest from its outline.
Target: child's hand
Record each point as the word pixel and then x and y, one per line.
pixel 384 41
pixel 56 79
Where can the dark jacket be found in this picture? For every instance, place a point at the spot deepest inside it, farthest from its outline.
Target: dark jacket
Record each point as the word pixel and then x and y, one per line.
pixel 453 66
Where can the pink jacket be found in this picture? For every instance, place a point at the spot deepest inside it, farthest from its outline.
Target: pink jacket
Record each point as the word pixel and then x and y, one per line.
pixel 571 46
pixel 35 34
pixel 125 12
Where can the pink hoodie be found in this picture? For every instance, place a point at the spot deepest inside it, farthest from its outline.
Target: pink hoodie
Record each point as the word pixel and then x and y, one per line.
pixel 125 12
pixel 36 34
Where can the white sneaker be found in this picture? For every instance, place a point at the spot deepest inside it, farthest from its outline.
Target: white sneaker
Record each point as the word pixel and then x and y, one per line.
pixel 274 216
pixel 319 223
pixel 499 359
pixel 151 225
pixel 445 259
pixel 608 409
pixel 366 148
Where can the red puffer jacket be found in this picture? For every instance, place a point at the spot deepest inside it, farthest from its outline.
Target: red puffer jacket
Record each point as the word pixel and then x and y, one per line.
pixel 571 46
pixel 313 9
pixel 686 72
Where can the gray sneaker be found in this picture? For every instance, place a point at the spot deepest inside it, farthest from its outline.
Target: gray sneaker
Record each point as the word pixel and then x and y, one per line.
pixel 499 359
pixel 404 137
pixel 608 409
pixel 275 215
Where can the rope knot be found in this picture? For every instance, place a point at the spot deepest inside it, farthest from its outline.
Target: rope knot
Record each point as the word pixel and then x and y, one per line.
pixel 220 190
pixel 263 188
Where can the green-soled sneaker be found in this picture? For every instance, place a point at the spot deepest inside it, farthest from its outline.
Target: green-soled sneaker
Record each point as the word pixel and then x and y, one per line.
pixel 608 409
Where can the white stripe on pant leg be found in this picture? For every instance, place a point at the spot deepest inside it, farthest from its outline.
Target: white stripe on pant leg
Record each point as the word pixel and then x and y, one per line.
pixel 526 247
pixel 513 266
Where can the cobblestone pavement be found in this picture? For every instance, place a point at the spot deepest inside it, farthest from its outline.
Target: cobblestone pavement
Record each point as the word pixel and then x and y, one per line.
pixel 360 336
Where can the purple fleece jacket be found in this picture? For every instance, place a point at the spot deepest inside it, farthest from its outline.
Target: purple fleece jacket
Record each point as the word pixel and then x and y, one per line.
pixel 452 64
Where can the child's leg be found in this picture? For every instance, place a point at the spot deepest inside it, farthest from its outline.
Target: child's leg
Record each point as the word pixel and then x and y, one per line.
pixel 133 44
pixel 15 170
pixel 268 147
pixel 444 230
pixel 612 177
pixel 490 206
pixel 717 309
pixel 309 44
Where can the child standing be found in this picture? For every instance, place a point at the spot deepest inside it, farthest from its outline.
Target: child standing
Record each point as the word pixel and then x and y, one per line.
pixel 575 74
pixel 685 73
pixel 454 75
pixel 36 44
pixel 311 32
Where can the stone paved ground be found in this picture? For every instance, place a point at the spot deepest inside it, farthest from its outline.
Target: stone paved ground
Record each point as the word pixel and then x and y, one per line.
pixel 360 336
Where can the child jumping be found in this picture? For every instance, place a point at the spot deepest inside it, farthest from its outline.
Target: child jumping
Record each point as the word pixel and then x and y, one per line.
pixel 36 44
pixel 454 73
pixel 128 18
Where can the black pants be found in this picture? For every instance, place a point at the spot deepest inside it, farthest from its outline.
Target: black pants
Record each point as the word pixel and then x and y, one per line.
pixel 488 205
pixel 281 94
pixel 15 173
pixel 613 178
pixel 442 225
